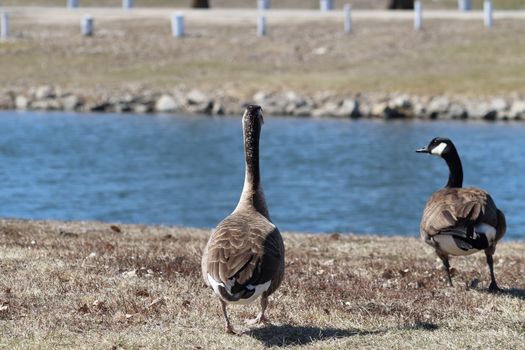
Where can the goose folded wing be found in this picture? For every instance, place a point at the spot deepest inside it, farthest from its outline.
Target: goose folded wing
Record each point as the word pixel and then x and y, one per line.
pixel 450 208
pixel 247 254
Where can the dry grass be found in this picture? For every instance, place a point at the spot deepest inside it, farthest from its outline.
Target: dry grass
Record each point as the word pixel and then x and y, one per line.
pixel 453 57
pixel 83 285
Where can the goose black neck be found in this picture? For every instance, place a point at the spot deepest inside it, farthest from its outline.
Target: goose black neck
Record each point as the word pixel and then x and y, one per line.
pixel 252 133
pixel 455 177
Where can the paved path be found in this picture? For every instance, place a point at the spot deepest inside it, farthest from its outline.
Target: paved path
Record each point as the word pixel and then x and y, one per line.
pixel 222 16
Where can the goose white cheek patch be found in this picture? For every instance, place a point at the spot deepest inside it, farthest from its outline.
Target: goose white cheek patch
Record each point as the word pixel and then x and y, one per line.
pixel 437 151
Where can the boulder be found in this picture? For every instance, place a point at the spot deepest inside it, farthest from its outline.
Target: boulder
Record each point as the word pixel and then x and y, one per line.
pixel 21 102
pixel 71 102
pixel 165 103
pixel 438 106
pixel 517 110
pixel 45 92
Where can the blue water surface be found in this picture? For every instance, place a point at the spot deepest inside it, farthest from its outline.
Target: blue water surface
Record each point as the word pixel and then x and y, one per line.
pixel 318 175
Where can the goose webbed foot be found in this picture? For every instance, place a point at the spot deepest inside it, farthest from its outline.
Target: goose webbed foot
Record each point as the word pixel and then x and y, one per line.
pixel 493 287
pixel 261 318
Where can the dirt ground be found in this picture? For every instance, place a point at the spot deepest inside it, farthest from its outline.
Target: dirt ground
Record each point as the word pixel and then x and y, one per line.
pixel 88 285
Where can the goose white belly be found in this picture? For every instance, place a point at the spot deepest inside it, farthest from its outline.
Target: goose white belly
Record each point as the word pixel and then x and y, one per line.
pixel 259 290
pixel 449 244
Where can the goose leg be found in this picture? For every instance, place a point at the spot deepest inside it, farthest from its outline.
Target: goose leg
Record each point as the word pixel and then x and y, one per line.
pixel 446 266
pixel 228 326
pixel 261 318
pixel 490 261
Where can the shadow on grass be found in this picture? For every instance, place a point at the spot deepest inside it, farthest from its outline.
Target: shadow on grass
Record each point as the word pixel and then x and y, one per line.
pixel 512 292
pixel 287 335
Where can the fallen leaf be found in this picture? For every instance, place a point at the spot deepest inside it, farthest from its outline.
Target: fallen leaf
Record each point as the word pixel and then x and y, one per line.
pixel 115 228
pixel 84 309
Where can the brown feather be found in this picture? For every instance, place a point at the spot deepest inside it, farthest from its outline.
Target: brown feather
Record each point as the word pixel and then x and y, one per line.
pixel 452 207
pixel 246 246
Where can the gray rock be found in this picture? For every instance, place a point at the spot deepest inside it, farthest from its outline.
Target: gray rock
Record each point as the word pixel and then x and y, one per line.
pixel 438 106
pixel 383 110
pixel 198 102
pixel 217 109
pixel 481 110
pixel 349 108
pixel 165 103
pixel 499 104
pixel 44 92
pixel 303 111
pixel 517 110
pixel 141 108
pixel 46 105
pixel 21 102
pixel 196 97
pixel 455 111
pixel 6 101
pixel 261 97
pixel 71 103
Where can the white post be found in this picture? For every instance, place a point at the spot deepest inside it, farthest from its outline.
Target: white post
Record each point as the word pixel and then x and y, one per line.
pixel 177 25
pixel 264 4
pixel 261 26
pixel 464 5
pixel 326 5
pixel 418 15
pixel 487 9
pixel 4 26
pixel 348 18
pixel 127 4
pixel 72 4
pixel 86 25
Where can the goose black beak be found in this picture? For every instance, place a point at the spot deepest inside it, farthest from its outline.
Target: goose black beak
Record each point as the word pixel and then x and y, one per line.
pixel 423 150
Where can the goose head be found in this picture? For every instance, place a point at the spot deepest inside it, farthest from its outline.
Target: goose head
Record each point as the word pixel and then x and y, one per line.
pixel 439 146
pixel 252 118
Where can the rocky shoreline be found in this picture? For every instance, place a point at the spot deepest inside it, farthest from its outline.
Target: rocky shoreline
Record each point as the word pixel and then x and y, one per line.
pixel 284 103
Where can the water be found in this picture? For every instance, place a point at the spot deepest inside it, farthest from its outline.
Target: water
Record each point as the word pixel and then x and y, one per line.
pixel 318 175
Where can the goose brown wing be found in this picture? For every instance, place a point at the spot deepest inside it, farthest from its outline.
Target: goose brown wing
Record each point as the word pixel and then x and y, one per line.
pixel 451 207
pixel 247 249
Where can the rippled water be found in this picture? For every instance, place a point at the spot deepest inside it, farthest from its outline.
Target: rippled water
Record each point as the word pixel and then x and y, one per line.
pixel 318 175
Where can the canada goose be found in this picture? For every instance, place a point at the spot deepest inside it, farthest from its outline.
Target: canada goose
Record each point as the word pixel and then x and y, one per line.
pixel 460 221
pixel 244 257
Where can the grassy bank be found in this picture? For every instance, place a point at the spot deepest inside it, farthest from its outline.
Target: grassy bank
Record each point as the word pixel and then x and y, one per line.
pixel 452 57
pixel 84 285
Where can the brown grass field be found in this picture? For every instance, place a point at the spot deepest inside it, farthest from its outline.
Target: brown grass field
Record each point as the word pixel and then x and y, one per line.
pixel 83 285
pixel 454 57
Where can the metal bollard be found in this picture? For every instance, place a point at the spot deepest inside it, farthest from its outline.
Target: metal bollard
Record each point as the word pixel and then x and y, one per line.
pixel 177 25
pixel 348 18
pixel 261 26
pixel 4 26
pixel 326 5
pixel 464 5
pixel 487 10
pixel 86 25
pixel 72 4
pixel 127 4
pixel 264 4
pixel 418 15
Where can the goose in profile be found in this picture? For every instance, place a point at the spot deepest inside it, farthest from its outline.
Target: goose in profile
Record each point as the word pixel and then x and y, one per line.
pixel 460 221
pixel 244 257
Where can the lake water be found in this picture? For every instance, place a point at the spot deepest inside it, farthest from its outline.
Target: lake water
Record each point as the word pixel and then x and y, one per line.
pixel 318 175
